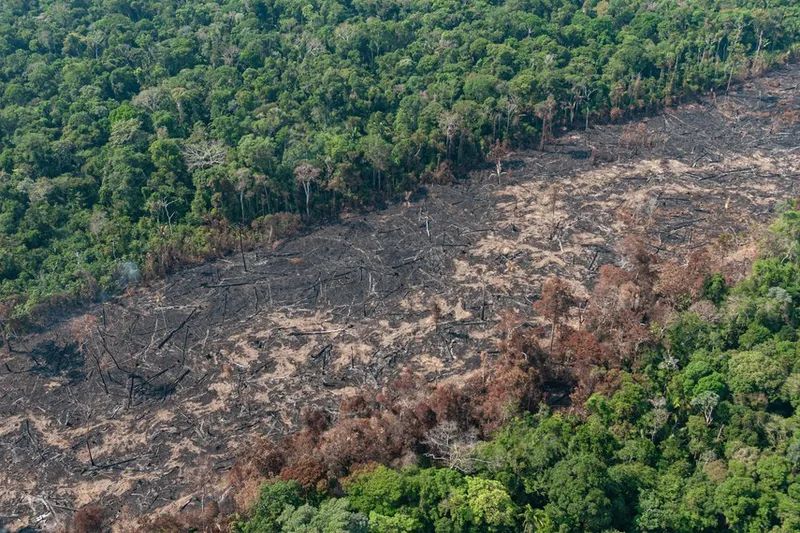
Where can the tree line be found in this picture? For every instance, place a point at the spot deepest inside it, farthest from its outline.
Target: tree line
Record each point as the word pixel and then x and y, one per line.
pixel 136 136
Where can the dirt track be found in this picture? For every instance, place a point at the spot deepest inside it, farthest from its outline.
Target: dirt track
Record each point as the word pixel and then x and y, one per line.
pixel 144 409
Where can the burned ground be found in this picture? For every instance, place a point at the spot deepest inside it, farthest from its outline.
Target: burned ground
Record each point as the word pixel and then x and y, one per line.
pixel 142 403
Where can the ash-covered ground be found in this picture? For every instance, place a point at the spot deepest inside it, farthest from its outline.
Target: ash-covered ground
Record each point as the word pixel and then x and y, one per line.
pixel 142 403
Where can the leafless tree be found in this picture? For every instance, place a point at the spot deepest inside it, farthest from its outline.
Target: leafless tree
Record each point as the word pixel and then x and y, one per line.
pixel 163 204
pixel 583 94
pixel 660 416
pixel 229 54
pixel 95 39
pixel 497 153
pixel 204 154
pixel 345 32
pixel 243 181
pixel 512 109
pixel 305 174
pixel 452 446
pixel 451 123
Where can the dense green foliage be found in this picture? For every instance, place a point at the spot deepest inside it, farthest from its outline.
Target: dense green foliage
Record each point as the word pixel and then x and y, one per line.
pixel 135 135
pixel 702 437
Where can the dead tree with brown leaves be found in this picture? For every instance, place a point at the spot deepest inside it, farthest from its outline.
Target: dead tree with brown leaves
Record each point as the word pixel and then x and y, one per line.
pixel 554 304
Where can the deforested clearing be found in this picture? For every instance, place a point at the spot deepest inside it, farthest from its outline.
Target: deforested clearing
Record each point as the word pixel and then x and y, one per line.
pixel 144 401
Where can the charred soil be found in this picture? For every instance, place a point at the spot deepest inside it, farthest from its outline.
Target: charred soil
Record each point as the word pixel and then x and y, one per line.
pixel 143 402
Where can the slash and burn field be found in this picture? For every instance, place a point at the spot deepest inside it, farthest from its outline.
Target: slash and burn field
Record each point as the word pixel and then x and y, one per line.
pixel 144 402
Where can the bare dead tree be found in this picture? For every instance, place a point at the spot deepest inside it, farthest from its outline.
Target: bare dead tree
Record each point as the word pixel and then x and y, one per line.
pixel 452 446
pixel 243 179
pixel 204 154
pixel 583 94
pixel 163 204
pixel 451 123
pixel 305 174
pixel 512 111
pixel 229 54
pixel 497 153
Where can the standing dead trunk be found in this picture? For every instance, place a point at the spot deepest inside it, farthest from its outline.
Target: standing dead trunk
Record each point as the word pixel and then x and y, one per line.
pixel 307 189
pixel 241 250
pixel 305 174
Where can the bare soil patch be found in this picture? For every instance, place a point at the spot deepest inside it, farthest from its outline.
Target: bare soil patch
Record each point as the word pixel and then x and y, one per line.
pixel 146 409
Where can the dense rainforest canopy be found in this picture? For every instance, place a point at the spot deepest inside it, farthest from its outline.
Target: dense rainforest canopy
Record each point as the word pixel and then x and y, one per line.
pixel 700 434
pixel 140 134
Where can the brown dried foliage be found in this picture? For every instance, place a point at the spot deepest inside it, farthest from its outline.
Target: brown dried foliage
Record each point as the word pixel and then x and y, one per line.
pixel 388 425
pixel 617 313
pixel 635 137
pixel 554 304
pixel 443 175
pixel 87 519
pixel 206 519
pixel 682 281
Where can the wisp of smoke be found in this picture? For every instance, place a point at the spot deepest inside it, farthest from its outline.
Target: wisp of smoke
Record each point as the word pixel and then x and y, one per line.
pixel 128 274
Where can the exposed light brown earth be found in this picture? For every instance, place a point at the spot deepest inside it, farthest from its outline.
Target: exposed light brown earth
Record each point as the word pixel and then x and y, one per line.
pixel 146 412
